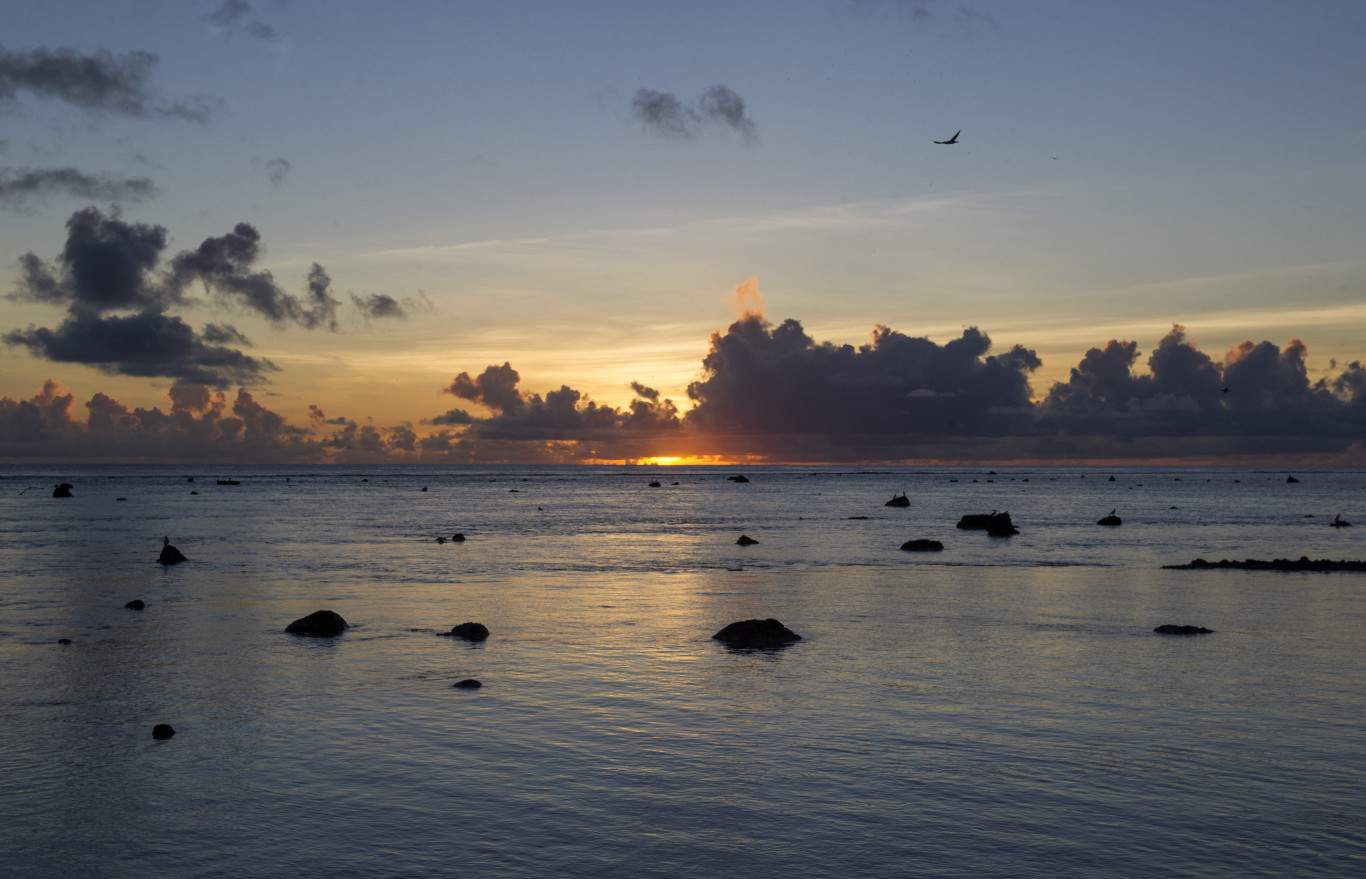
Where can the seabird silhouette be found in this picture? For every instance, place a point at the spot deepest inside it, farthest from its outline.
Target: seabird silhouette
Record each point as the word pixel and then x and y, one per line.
pixel 951 141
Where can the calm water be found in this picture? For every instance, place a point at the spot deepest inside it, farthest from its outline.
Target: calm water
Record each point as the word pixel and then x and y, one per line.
pixel 1000 709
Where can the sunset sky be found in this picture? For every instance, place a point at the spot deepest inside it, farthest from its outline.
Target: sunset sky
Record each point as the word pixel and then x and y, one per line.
pixel 563 187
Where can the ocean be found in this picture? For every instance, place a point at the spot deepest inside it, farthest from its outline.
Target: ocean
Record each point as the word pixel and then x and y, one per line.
pixel 999 709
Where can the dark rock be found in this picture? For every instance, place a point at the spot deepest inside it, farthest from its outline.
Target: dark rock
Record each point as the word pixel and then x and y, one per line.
pixel 1110 521
pixel 468 632
pixel 424 488
pixel 162 731
pixel 467 684
pixel 922 545
pixel 1170 629
pixel 189 479
pixel 63 640
pixel 756 635
pixel 169 554
pixel 1339 522
pixel 229 482
pixel 976 521
pixel 1001 526
pixel 62 489
pixel 120 498
pixel 859 518
pixel 1290 479
pixel 1112 479
pixel 441 540
pixel 1303 563
pixel 654 484
pixel 745 540
pixel 739 477
pixel 898 500
pixel 319 624
pixel 458 537
pixel 136 604
pixel 194 492
pixel 994 524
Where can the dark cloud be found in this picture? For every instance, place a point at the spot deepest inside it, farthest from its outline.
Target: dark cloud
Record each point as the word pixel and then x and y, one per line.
pixel 379 305
pixel 769 381
pixel 224 265
pixel 20 188
pixel 96 81
pixel 644 392
pixel 453 417
pixel 148 343
pixel 496 388
pixel 112 265
pixel 723 105
pixel 239 15
pixel 106 264
pixel 225 334
pixel 663 114
pixel 278 171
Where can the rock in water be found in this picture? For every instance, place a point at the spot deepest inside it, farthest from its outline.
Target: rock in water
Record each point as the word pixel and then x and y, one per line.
pixel 745 540
pixel 1292 480
pixel 170 555
pixel 467 684
pixel 63 640
pixel 756 635
pixel 458 537
pixel 922 546
pixel 162 731
pixel 654 484
pixel 319 624
pixel 1170 629
pixel 739 477
pixel 62 489
pixel 898 500
pixel 1110 521
pixel 135 604
pixel 468 632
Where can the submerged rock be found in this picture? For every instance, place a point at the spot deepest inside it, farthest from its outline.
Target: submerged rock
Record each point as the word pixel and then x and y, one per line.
pixel 738 477
pixel 1303 563
pixel 63 640
pixel 467 684
pixel 1170 629
pixel 1292 480
pixel 319 624
pixel 120 498
pixel 458 537
pixel 898 500
pixel 162 731
pixel 922 545
pixel 654 483
pixel 135 604
pixel 169 554
pixel 756 635
pixel 62 489
pixel 745 540
pixel 1110 521
pixel 468 632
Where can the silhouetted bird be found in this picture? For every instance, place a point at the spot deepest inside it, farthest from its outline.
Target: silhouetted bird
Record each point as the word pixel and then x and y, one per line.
pixel 951 141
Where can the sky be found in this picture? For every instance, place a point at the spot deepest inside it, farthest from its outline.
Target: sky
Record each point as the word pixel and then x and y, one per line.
pixel 580 190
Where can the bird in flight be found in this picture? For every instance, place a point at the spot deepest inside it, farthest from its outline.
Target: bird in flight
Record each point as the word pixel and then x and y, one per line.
pixel 951 141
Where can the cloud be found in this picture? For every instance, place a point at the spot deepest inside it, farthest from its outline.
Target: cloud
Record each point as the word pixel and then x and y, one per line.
pixel 495 387
pixel 224 265
pixel 238 15
pixel 664 115
pixel 147 343
pixel 768 382
pixel 99 82
pixel 746 300
pixel 379 305
pixel 454 416
pixel 278 171
pixel 19 188
pixel 111 265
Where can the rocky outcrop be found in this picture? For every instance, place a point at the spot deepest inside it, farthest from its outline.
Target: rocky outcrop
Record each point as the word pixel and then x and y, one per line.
pixel 135 604
pixel 319 624
pixel 467 684
pixel 922 546
pixel 654 483
pixel 738 477
pixel 898 500
pixel 169 554
pixel 62 489
pixel 745 540
pixel 468 632
pixel 993 523
pixel 1170 629
pixel 163 731
pixel 1110 521
pixel 756 635
pixel 1291 480
pixel 1303 563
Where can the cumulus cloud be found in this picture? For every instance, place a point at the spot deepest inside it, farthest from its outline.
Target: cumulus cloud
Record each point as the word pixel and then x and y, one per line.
pixel 21 188
pixel 453 417
pixel 663 114
pixel 238 15
pixel 100 82
pixel 109 265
